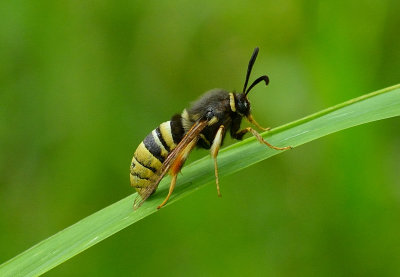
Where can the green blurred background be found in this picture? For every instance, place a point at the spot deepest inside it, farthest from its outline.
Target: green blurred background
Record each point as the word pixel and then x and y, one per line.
pixel 83 82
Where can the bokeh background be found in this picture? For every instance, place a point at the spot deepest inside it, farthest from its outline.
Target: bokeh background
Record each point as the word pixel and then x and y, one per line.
pixel 83 82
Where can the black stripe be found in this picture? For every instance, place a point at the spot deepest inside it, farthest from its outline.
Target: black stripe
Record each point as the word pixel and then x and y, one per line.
pixel 140 177
pixel 177 130
pixel 160 137
pixel 146 166
pixel 153 147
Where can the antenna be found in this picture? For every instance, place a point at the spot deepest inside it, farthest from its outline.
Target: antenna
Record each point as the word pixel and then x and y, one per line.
pixel 250 67
pixel 259 79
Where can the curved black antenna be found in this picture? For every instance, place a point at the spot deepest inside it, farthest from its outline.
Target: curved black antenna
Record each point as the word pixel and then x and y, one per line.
pixel 250 67
pixel 259 79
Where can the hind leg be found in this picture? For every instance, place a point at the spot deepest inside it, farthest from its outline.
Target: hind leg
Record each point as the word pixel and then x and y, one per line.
pixel 176 168
pixel 171 189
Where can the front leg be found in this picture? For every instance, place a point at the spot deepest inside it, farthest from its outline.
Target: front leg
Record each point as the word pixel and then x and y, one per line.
pixel 239 135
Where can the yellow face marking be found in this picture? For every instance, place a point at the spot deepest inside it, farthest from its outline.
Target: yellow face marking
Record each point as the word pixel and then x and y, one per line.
pixel 186 123
pixel 164 151
pixel 232 102
pixel 165 130
pixel 213 121
pixel 145 157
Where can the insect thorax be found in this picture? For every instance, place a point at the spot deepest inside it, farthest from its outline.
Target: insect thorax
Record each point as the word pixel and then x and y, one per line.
pixel 213 106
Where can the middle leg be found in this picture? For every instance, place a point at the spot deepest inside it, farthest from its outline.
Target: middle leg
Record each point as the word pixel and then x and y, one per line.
pixel 214 153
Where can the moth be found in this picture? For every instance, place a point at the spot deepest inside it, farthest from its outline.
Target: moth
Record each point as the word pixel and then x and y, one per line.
pixel 204 125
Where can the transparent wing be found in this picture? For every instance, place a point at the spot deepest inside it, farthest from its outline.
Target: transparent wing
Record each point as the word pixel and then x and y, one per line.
pixel 191 135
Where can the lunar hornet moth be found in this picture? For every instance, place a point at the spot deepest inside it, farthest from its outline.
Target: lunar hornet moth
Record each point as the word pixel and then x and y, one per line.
pixel 205 125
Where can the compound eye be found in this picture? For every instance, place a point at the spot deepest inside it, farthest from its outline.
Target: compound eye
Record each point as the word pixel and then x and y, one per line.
pixel 242 107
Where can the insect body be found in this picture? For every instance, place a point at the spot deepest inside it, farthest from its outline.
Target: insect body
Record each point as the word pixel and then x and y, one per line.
pixel 204 124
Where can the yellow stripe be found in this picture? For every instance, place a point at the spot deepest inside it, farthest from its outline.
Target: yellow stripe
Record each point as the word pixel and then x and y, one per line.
pixel 141 170
pixel 138 183
pixel 185 115
pixel 186 123
pixel 164 151
pixel 232 102
pixel 165 130
pixel 144 156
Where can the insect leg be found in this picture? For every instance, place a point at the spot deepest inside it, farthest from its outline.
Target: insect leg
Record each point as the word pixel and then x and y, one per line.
pixel 260 138
pixel 251 119
pixel 214 153
pixel 176 167
pixel 171 189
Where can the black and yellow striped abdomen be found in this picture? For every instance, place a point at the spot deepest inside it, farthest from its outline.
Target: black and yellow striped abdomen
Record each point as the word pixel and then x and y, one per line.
pixel 152 152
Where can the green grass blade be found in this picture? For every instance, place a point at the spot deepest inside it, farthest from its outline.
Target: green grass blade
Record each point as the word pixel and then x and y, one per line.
pixel 96 227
